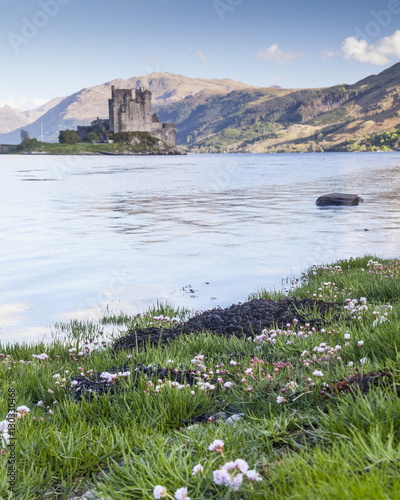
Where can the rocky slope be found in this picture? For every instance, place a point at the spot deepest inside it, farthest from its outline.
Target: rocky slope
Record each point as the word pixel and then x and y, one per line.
pixel 262 120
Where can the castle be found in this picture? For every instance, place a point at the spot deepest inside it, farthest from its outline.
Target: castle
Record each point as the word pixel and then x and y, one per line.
pixel 130 111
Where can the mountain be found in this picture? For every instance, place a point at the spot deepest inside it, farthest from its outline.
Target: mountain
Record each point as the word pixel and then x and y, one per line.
pixel 225 115
pixel 35 114
pixel 274 119
pixel 84 106
pixel 11 119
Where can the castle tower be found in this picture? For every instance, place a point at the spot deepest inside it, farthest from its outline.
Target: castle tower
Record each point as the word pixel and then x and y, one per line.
pixel 130 110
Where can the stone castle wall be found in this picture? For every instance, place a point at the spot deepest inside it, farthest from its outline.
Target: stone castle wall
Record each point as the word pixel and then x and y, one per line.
pixel 167 133
pixel 130 110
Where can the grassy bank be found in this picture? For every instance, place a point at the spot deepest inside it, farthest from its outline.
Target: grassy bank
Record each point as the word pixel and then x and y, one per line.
pixel 138 143
pixel 298 413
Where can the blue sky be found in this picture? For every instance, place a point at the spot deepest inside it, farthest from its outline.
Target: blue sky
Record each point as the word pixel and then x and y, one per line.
pixel 52 48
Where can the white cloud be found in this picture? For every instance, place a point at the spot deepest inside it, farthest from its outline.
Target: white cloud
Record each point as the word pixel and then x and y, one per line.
pixel 274 53
pixel 379 53
pixel 201 55
pixel 12 314
pixel 327 54
pixel 23 103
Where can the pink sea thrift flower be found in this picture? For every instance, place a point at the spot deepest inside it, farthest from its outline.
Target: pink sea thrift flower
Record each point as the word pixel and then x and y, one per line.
pixel 252 475
pixel 229 466
pixel 159 491
pixel 42 357
pixel 237 481
pixel 216 445
pixel 242 465
pixel 197 470
pixel 222 477
pixel 23 410
pixel 181 494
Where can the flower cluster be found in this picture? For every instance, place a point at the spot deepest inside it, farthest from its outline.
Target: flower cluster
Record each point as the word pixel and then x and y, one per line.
pixel 41 357
pixel 290 332
pixel 356 308
pixel 198 361
pixel 161 492
pixel 381 314
pixel 166 319
pixel 389 270
pixel 7 425
pixel 231 474
pixel 111 377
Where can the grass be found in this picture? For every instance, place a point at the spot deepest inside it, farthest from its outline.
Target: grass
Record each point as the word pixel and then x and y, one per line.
pixel 147 144
pixel 303 438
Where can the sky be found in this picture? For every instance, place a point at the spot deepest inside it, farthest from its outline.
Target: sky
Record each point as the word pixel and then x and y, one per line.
pixel 53 48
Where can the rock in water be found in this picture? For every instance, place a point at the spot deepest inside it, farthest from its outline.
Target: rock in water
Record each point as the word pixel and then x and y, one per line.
pixel 338 199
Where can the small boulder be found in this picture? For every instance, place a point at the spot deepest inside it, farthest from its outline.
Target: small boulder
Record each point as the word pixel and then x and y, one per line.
pixel 338 199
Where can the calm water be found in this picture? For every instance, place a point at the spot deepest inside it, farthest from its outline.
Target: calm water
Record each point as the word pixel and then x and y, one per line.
pixel 81 233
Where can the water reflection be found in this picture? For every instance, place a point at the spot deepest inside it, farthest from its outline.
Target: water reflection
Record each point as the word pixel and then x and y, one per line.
pixel 140 229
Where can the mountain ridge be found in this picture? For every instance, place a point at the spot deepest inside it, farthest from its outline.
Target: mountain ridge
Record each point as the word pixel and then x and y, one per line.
pixel 225 115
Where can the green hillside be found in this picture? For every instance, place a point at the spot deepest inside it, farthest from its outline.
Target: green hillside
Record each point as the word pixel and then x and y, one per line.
pixel 270 119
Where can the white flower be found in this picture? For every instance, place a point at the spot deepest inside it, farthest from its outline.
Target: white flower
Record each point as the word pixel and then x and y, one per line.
pixel 23 410
pixel 159 491
pixel 40 403
pixel 181 494
pixel 229 466
pixel 72 350
pixel 252 475
pixel 216 445
pixel 222 476
pixel 56 376
pixel 363 361
pixel 237 482
pixel 197 469
pixel 318 373
pixel 228 385
pixel 109 377
pixel 42 356
pixel 360 343
pixel 280 399
pixel 347 336
pixel 232 362
pixel 248 371
pixel 350 363
pixel 242 465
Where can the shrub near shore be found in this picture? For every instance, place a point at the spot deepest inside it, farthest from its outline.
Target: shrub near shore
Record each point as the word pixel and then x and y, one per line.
pixel 293 412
